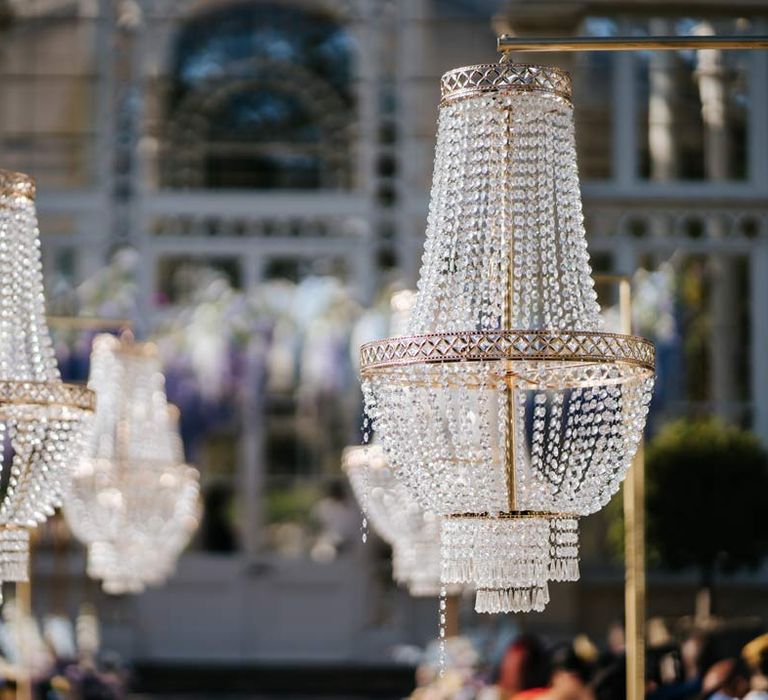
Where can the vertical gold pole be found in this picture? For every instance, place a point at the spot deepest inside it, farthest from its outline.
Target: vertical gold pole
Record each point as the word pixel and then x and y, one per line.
pixel 510 446
pixel 23 611
pixel 508 324
pixel 634 545
pixel 452 615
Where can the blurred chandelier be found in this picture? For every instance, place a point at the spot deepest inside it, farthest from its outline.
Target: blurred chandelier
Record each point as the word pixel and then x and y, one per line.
pixel 42 420
pixel 506 408
pixel 412 532
pixel 131 500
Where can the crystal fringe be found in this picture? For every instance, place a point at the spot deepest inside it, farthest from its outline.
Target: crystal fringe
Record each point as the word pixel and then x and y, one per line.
pixel 14 555
pixel 509 553
pixel 513 600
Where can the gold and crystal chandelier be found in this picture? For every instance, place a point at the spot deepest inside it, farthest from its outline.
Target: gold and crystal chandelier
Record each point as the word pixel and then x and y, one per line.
pixel 132 500
pixel 42 419
pixel 506 408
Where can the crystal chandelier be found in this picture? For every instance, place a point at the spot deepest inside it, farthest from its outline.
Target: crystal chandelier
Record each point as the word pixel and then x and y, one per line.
pixel 131 500
pixel 42 420
pixel 506 408
pixel 412 532
pixel 128 564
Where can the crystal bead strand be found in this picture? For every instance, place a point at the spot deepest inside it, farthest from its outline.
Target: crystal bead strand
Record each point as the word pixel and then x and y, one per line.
pixel 441 629
pixel 366 482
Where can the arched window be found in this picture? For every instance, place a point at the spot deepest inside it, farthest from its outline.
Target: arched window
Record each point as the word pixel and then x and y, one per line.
pixel 261 97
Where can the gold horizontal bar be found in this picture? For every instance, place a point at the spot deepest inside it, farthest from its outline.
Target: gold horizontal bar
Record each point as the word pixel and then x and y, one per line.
pixel 89 323
pixel 630 43
pixel 610 278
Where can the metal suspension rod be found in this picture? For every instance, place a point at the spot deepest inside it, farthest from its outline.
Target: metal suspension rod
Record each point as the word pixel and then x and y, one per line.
pixel 89 323
pixel 630 43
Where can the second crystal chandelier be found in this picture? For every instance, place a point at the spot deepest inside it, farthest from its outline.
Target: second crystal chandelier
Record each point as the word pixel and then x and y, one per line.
pixel 132 500
pixel 506 408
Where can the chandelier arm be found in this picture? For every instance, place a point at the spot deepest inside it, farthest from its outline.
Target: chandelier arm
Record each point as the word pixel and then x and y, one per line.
pixel 630 43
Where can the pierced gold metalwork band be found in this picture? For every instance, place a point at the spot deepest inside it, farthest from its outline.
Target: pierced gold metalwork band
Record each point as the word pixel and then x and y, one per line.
pixel 485 78
pixel 512 515
pixel 487 346
pixel 53 394
pixel 16 185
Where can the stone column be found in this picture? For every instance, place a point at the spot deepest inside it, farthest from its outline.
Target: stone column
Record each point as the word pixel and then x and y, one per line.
pixel 662 82
pixel 758 273
pixel 409 61
pixel 758 276
pixel 724 298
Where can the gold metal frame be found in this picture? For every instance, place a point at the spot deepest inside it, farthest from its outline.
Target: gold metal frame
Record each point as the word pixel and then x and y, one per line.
pixel 50 394
pixel 513 515
pixel 471 81
pixel 630 43
pixel 88 323
pixel 508 345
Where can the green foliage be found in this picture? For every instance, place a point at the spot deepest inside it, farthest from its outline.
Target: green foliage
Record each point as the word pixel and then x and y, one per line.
pixel 707 485
pixel 292 504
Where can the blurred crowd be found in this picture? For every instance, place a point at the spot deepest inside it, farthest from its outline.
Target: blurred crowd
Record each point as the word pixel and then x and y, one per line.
pixel 700 667
pixel 56 658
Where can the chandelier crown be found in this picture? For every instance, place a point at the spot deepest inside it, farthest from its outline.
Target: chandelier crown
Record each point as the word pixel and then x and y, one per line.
pixel 16 185
pixel 504 77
